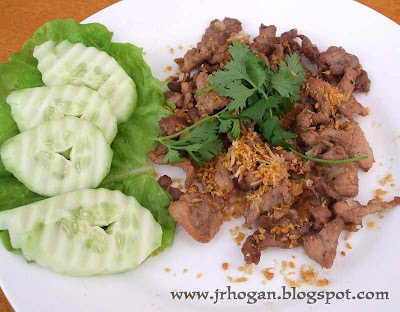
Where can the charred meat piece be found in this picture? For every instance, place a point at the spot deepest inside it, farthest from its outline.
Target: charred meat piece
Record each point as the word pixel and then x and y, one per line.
pixel 321 215
pixel 158 154
pixel 172 124
pixel 157 157
pixel 166 182
pixel 351 138
pixel 337 59
pixel 215 36
pixel 363 83
pixel 336 181
pixel 175 97
pixel 210 101
pixel 223 178
pixel 309 49
pixel 200 214
pixel 352 212
pixel 322 247
pixel 283 234
pixel 275 197
pixel 265 42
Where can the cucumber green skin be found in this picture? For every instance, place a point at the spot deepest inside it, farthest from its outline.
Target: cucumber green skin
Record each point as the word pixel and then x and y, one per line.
pixel 30 107
pixel 33 156
pixel 65 63
pixel 64 232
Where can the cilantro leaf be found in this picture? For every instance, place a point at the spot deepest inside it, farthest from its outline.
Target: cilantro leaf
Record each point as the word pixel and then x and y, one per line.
pixel 172 157
pixel 202 143
pixel 238 92
pixel 255 71
pixel 225 125
pixel 286 85
pixel 293 66
pixel 236 129
pixel 257 111
pixel 272 131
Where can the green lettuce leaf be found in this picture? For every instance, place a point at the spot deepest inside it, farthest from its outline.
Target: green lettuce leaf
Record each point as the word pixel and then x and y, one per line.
pixel 130 172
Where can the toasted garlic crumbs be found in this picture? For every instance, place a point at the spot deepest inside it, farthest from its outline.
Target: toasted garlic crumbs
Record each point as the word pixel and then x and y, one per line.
pixel 348 246
pixel 322 283
pixel 387 179
pixel 234 231
pixel 167 270
pixel 379 193
pixel 343 253
pixel 225 266
pixel 237 280
pixel 171 50
pixel 185 270
pixel 199 275
pixel 268 275
pixel 292 265
pixel 250 156
pixel 238 239
pixel 371 225
pixel 308 276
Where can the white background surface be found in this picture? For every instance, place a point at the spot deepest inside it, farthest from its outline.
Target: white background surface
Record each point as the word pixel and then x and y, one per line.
pixel 372 264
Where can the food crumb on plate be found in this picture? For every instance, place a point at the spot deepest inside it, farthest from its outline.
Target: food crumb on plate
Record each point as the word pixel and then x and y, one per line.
pixel 343 253
pixel 348 246
pixel 371 224
pixel 387 179
pixel 185 270
pixel 199 275
pixel 268 275
pixel 237 280
pixel 292 265
pixel 180 47
pixel 322 283
pixel 225 266
pixel 171 50
pixel 308 276
pixel 167 270
pixel 238 239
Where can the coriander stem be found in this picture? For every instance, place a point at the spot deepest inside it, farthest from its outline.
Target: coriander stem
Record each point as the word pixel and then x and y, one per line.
pixel 327 161
pixel 161 139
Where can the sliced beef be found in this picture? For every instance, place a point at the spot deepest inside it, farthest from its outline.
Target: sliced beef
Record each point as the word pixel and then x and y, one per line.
pixel 348 81
pixel 309 49
pixel 321 215
pixel 223 178
pixel 158 154
pixel 175 97
pixel 322 246
pixel 352 138
pixel 209 101
pixel 278 55
pixel 174 84
pixel 330 99
pixel 199 214
pixel 363 83
pixel 337 59
pixel 172 124
pixel 258 242
pixel 187 93
pixel 336 181
pixel 352 212
pixel 157 157
pixel 275 197
pixel 166 182
pixel 359 146
pixel 190 171
pixel 216 35
pixel 287 39
pixel 265 42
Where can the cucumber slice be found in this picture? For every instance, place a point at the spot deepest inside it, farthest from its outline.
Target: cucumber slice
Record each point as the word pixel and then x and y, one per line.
pixel 30 107
pixel 66 233
pixel 34 156
pixel 75 64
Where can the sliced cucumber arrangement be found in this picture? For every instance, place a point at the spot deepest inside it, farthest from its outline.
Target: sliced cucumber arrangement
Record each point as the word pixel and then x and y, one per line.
pixel 84 233
pixel 31 107
pixel 58 156
pixel 66 63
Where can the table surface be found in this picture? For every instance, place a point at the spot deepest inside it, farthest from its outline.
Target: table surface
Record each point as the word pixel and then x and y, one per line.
pixel 20 18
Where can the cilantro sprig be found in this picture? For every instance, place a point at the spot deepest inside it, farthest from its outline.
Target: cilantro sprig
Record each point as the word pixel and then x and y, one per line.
pixel 258 93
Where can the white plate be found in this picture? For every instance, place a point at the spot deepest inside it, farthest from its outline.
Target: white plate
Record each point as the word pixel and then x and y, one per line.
pixel 372 263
